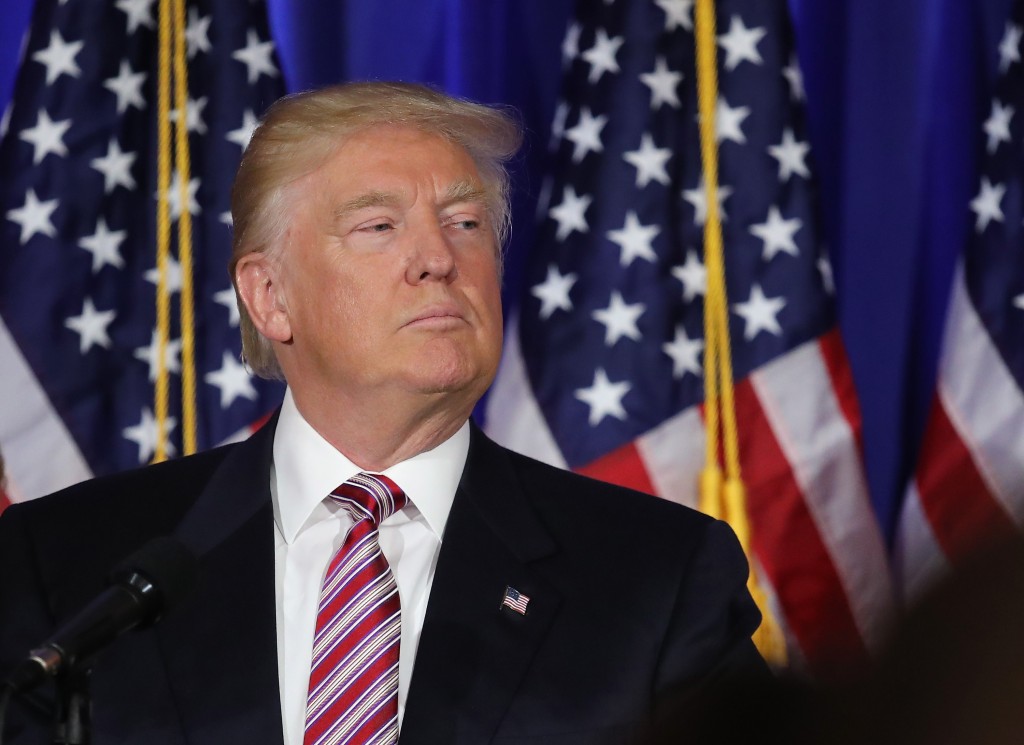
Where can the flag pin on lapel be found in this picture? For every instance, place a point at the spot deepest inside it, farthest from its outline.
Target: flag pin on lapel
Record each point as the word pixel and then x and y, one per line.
pixel 515 600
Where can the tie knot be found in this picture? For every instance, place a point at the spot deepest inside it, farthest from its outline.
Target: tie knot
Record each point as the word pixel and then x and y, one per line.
pixel 370 496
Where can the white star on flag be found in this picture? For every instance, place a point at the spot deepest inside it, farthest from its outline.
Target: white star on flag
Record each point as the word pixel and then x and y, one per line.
pixel 699 199
pixel 693 275
pixel 635 240
pixel 116 168
pixel 571 213
pixel 987 205
pixel 760 313
pixel 173 275
pixel 685 353
pixel 649 161
pixel 197 33
pixel 91 326
pixel 663 83
pixel 104 245
pixel 232 379
pixel 601 56
pixel 571 43
pixel 243 134
pixel 34 216
pixel 1009 46
pixel 604 398
pixel 144 434
pixel 740 44
pixel 174 196
pixel 777 234
pixel 138 12
pixel 795 78
pixel 619 319
pixel 791 155
pixel 228 300
pixel 256 56
pixel 553 292
pixel 728 121
pixel 678 13
pixel 193 115
pixel 997 126
pixel 127 87
pixel 586 134
pixel 46 137
pixel 59 57
pixel 151 355
pixel 558 123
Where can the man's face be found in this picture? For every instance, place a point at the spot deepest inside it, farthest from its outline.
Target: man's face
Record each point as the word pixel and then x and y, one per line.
pixel 387 281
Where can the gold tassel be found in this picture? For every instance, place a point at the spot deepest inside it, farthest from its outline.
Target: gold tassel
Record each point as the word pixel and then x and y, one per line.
pixel 723 499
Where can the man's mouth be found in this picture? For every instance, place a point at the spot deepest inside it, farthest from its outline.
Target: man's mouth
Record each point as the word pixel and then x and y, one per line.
pixel 438 317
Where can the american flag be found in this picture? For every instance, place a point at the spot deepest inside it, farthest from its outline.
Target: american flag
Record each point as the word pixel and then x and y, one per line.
pixel 968 488
pixel 603 365
pixel 515 600
pixel 78 196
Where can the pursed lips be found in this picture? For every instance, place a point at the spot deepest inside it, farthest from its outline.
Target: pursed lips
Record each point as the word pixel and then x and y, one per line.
pixel 437 315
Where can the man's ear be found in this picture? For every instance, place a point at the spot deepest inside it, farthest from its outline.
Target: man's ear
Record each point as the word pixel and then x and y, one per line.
pixel 257 279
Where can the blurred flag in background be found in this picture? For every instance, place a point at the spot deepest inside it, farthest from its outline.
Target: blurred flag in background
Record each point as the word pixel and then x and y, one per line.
pixel 78 202
pixel 968 489
pixel 603 370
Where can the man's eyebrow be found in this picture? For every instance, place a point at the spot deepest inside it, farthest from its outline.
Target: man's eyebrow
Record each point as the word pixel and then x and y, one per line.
pixel 369 199
pixel 465 191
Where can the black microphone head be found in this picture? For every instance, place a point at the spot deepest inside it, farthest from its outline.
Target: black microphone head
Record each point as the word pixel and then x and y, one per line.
pixel 143 587
pixel 163 571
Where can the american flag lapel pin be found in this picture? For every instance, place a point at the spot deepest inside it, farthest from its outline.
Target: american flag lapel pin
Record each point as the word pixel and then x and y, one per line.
pixel 515 600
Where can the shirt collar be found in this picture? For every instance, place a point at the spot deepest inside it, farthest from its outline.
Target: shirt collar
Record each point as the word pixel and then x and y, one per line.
pixel 307 468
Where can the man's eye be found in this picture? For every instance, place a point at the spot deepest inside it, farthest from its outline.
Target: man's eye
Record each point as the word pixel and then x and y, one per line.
pixel 467 224
pixel 379 227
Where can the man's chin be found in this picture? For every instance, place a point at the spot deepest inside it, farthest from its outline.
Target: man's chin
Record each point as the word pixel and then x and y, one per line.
pixel 453 386
pixel 451 381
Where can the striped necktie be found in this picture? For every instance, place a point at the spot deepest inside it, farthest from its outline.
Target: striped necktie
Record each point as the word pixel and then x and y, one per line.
pixel 353 679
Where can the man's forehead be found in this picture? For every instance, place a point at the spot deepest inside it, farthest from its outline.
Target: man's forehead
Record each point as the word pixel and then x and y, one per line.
pixel 460 191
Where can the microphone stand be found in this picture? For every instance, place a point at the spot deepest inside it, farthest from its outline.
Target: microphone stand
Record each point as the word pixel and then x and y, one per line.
pixel 73 710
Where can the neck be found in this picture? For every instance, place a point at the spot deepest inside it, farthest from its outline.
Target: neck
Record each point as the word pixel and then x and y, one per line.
pixel 376 437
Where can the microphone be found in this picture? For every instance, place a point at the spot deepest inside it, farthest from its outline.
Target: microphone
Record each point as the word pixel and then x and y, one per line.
pixel 142 588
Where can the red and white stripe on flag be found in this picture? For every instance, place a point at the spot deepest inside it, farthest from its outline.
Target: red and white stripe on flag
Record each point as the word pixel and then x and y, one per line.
pixel 816 542
pixel 40 455
pixel 968 489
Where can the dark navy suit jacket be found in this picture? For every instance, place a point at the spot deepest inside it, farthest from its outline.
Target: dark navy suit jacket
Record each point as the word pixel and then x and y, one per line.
pixel 634 602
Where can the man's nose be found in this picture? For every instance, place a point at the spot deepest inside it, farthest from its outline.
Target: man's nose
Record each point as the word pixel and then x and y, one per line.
pixel 433 257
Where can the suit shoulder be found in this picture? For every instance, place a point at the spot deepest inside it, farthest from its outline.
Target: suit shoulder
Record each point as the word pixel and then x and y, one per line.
pixel 161 487
pixel 602 500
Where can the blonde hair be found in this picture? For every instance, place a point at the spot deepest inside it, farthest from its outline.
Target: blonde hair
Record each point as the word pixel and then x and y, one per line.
pixel 300 131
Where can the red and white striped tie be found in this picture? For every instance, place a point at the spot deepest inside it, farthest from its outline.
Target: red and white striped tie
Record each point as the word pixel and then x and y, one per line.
pixel 353 680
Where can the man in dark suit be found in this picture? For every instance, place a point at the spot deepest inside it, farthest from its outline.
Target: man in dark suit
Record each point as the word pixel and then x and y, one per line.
pixel 536 606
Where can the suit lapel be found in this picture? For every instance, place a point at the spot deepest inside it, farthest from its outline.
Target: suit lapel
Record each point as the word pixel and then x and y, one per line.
pixel 473 652
pixel 226 685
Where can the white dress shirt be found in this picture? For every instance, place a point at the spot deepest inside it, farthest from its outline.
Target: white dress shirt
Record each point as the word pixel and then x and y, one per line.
pixel 309 529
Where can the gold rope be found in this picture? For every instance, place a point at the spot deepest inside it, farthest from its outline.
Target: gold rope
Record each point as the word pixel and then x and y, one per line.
pixel 722 499
pixel 188 368
pixel 163 230
pixel 172 64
